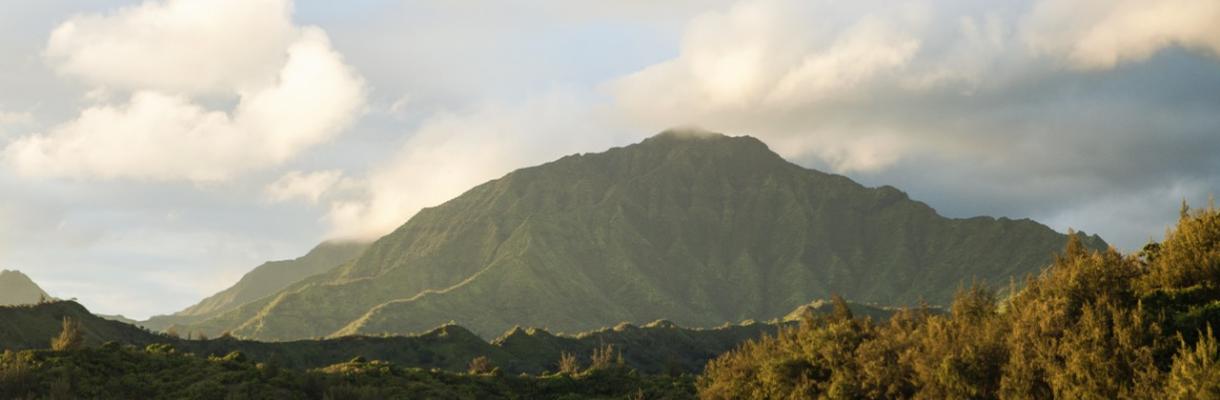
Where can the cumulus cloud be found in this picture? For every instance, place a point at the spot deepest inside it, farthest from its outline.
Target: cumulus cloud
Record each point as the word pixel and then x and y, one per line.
pixel 293 91
pixel 1099 34
pixel 178 46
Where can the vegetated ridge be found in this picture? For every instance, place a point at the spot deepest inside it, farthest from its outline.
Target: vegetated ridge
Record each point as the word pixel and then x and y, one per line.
pixel 693 227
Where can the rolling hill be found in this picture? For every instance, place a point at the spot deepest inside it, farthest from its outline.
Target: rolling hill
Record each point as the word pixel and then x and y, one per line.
pixel 657 347
pixel 693 227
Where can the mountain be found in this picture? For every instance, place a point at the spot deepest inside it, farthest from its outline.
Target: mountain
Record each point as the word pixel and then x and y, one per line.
pixel 696 228
pixel 264 280
pixel 16 288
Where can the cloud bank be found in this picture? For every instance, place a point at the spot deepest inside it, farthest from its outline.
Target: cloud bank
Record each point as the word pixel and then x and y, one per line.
pixel 1001 108
pixel 292 92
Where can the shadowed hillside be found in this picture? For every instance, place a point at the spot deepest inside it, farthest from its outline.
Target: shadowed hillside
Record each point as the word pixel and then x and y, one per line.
pixel 658 347
pixel 33 326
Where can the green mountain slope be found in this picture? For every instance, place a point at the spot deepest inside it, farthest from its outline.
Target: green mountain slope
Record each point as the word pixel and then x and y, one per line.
pixel 695 228
pixel 16 288
pixel 264 280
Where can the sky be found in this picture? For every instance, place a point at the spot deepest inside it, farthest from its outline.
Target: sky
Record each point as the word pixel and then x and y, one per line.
pixel 152 152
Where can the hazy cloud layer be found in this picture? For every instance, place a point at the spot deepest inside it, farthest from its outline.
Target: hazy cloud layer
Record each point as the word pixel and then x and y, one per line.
pixel 292 91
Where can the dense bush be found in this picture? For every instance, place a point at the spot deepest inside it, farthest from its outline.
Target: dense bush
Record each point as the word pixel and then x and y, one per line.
pixel 1093 325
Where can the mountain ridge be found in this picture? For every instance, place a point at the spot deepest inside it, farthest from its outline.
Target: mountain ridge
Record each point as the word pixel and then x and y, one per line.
pixel 597 238
pixel 656 347
pixel 262 281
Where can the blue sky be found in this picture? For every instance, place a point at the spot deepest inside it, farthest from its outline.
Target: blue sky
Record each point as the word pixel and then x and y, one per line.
pixel 153 152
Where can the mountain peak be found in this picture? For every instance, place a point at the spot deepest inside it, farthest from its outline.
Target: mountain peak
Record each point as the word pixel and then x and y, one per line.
pixel 676 136
pixel 17 288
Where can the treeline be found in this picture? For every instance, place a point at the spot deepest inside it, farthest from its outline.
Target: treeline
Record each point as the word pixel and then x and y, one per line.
pixel 159 371
pixel 1093 325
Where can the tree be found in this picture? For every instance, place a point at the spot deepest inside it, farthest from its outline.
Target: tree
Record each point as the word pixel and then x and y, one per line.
pixel 70 337
pixel 1196 371
pixel 480 365
pixel 605 358
pixel 568 364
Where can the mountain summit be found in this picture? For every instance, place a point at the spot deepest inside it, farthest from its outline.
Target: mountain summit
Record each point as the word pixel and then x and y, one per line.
pixel 16 288
pixel 699 229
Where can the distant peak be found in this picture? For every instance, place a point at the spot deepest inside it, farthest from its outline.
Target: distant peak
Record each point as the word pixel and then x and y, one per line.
pixel 15 274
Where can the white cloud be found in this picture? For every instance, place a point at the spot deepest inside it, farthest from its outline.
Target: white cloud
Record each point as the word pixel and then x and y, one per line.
pixel 761 66
pixel 869 48
pixel 306 186
pixel 854 85
pixel 1099 34
pixel 294 91
pixel 177 46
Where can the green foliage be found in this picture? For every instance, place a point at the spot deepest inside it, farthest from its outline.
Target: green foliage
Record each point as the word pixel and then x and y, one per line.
pixel 658 347
pixel 1093 325
pixel 1196 371
pixel 125 372
pixel 696 229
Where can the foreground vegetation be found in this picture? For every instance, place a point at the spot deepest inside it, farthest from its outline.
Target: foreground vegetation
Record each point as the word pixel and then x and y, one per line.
pixel 161 372
pixel 1094 325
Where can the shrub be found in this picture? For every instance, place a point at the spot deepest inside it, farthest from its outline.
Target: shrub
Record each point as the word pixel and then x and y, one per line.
pixel 70 337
